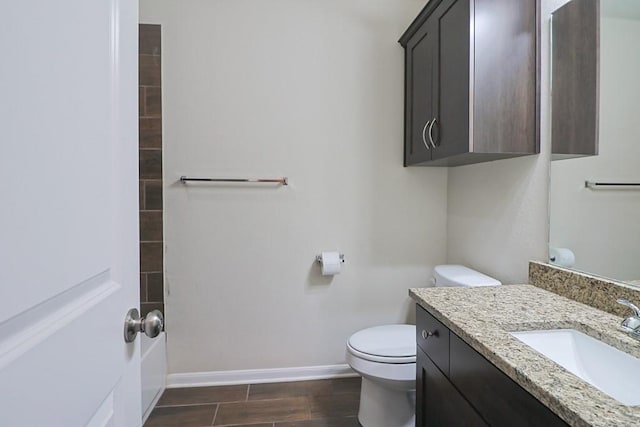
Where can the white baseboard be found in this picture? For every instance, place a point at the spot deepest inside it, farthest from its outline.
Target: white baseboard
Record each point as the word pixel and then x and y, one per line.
pixel 257 376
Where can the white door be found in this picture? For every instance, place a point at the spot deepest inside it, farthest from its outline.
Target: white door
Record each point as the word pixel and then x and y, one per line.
pixel 68 212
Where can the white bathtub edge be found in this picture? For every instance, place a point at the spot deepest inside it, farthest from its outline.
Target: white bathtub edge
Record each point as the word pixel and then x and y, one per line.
pixel 153 372
pixel 152 406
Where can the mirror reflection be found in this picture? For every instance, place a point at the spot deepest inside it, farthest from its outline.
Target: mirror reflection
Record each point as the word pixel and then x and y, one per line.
pixel 600 225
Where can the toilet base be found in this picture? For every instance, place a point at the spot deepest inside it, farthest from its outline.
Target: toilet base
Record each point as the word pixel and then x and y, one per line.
pixel 386 407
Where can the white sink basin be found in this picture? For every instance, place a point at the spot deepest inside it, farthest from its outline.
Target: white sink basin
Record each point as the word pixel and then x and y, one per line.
pixel 610 370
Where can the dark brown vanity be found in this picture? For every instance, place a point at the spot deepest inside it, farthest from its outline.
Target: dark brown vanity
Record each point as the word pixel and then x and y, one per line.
pixel 457 386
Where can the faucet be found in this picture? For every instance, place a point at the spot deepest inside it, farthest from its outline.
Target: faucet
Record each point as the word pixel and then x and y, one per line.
pixel 632 323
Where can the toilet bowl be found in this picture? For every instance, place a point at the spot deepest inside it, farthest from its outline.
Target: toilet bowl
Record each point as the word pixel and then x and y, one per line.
pixel 385 358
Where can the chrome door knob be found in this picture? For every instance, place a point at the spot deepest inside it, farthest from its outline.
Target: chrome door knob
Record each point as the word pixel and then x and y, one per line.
pixel 152 324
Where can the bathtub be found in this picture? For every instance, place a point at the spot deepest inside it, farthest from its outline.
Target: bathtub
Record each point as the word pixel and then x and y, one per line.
pixel 153 371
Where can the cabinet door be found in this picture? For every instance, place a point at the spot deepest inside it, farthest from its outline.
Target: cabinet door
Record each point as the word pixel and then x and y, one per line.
pixel 452 113
pixel 497 397
pixel 419 94
pixel 438 403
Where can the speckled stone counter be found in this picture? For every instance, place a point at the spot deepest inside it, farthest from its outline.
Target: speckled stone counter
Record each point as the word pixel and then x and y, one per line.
pixel 483 317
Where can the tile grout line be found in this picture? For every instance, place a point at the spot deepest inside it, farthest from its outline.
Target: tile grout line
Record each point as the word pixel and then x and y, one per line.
pixel 200 403
pixel 215 414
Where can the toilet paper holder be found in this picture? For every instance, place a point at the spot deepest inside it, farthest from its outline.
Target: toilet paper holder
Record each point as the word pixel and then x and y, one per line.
pixel 319 258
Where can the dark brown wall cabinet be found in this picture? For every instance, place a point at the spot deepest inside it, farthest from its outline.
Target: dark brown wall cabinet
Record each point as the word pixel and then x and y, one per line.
pixel 575 79
pixel 457 386
pixel 471 82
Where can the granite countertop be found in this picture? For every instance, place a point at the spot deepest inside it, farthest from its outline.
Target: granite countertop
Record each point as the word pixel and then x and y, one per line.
pixel 483 317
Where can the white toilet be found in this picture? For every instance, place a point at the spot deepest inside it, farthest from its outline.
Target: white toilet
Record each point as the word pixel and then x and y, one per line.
pixel 385 357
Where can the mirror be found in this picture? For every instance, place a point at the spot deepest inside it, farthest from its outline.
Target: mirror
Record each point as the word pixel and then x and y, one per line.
pixel 600 224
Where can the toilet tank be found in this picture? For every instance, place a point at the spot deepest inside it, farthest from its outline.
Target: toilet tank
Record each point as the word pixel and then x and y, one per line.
pixel 459 275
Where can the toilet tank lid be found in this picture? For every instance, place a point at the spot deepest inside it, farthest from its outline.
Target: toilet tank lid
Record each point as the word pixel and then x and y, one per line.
pixel 386 341
pixel 459 275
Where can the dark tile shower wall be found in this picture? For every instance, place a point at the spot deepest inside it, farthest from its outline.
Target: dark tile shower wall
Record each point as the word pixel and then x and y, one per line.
pixel 150 151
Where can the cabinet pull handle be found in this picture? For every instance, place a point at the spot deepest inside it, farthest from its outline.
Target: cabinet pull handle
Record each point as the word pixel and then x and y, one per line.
pixel 431 132
pixel 424 138
pixel 428 334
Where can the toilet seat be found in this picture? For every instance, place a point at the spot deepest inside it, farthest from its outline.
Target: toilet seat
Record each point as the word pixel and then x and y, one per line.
pixel 393 344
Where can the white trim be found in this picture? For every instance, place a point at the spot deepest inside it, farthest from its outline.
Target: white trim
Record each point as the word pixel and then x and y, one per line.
pixel 257 376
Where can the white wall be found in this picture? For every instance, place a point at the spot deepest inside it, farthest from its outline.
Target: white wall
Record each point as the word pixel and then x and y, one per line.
pixel 498 211
pixel 497 216
pixel 312 90
pixel 601 226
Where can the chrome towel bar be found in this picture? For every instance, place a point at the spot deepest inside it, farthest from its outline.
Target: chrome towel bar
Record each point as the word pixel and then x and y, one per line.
pixel 593 185
pixel 281 181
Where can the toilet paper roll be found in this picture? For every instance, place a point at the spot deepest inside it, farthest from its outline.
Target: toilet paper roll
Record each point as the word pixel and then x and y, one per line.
pixel 331 263
pixel 563 257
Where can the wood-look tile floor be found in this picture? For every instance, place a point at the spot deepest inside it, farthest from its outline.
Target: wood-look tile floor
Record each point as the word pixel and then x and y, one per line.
pixel 322 403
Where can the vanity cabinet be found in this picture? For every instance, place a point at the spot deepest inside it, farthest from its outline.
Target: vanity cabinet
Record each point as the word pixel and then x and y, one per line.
pixel 442 402
pixel 471 82
pixel 470 391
